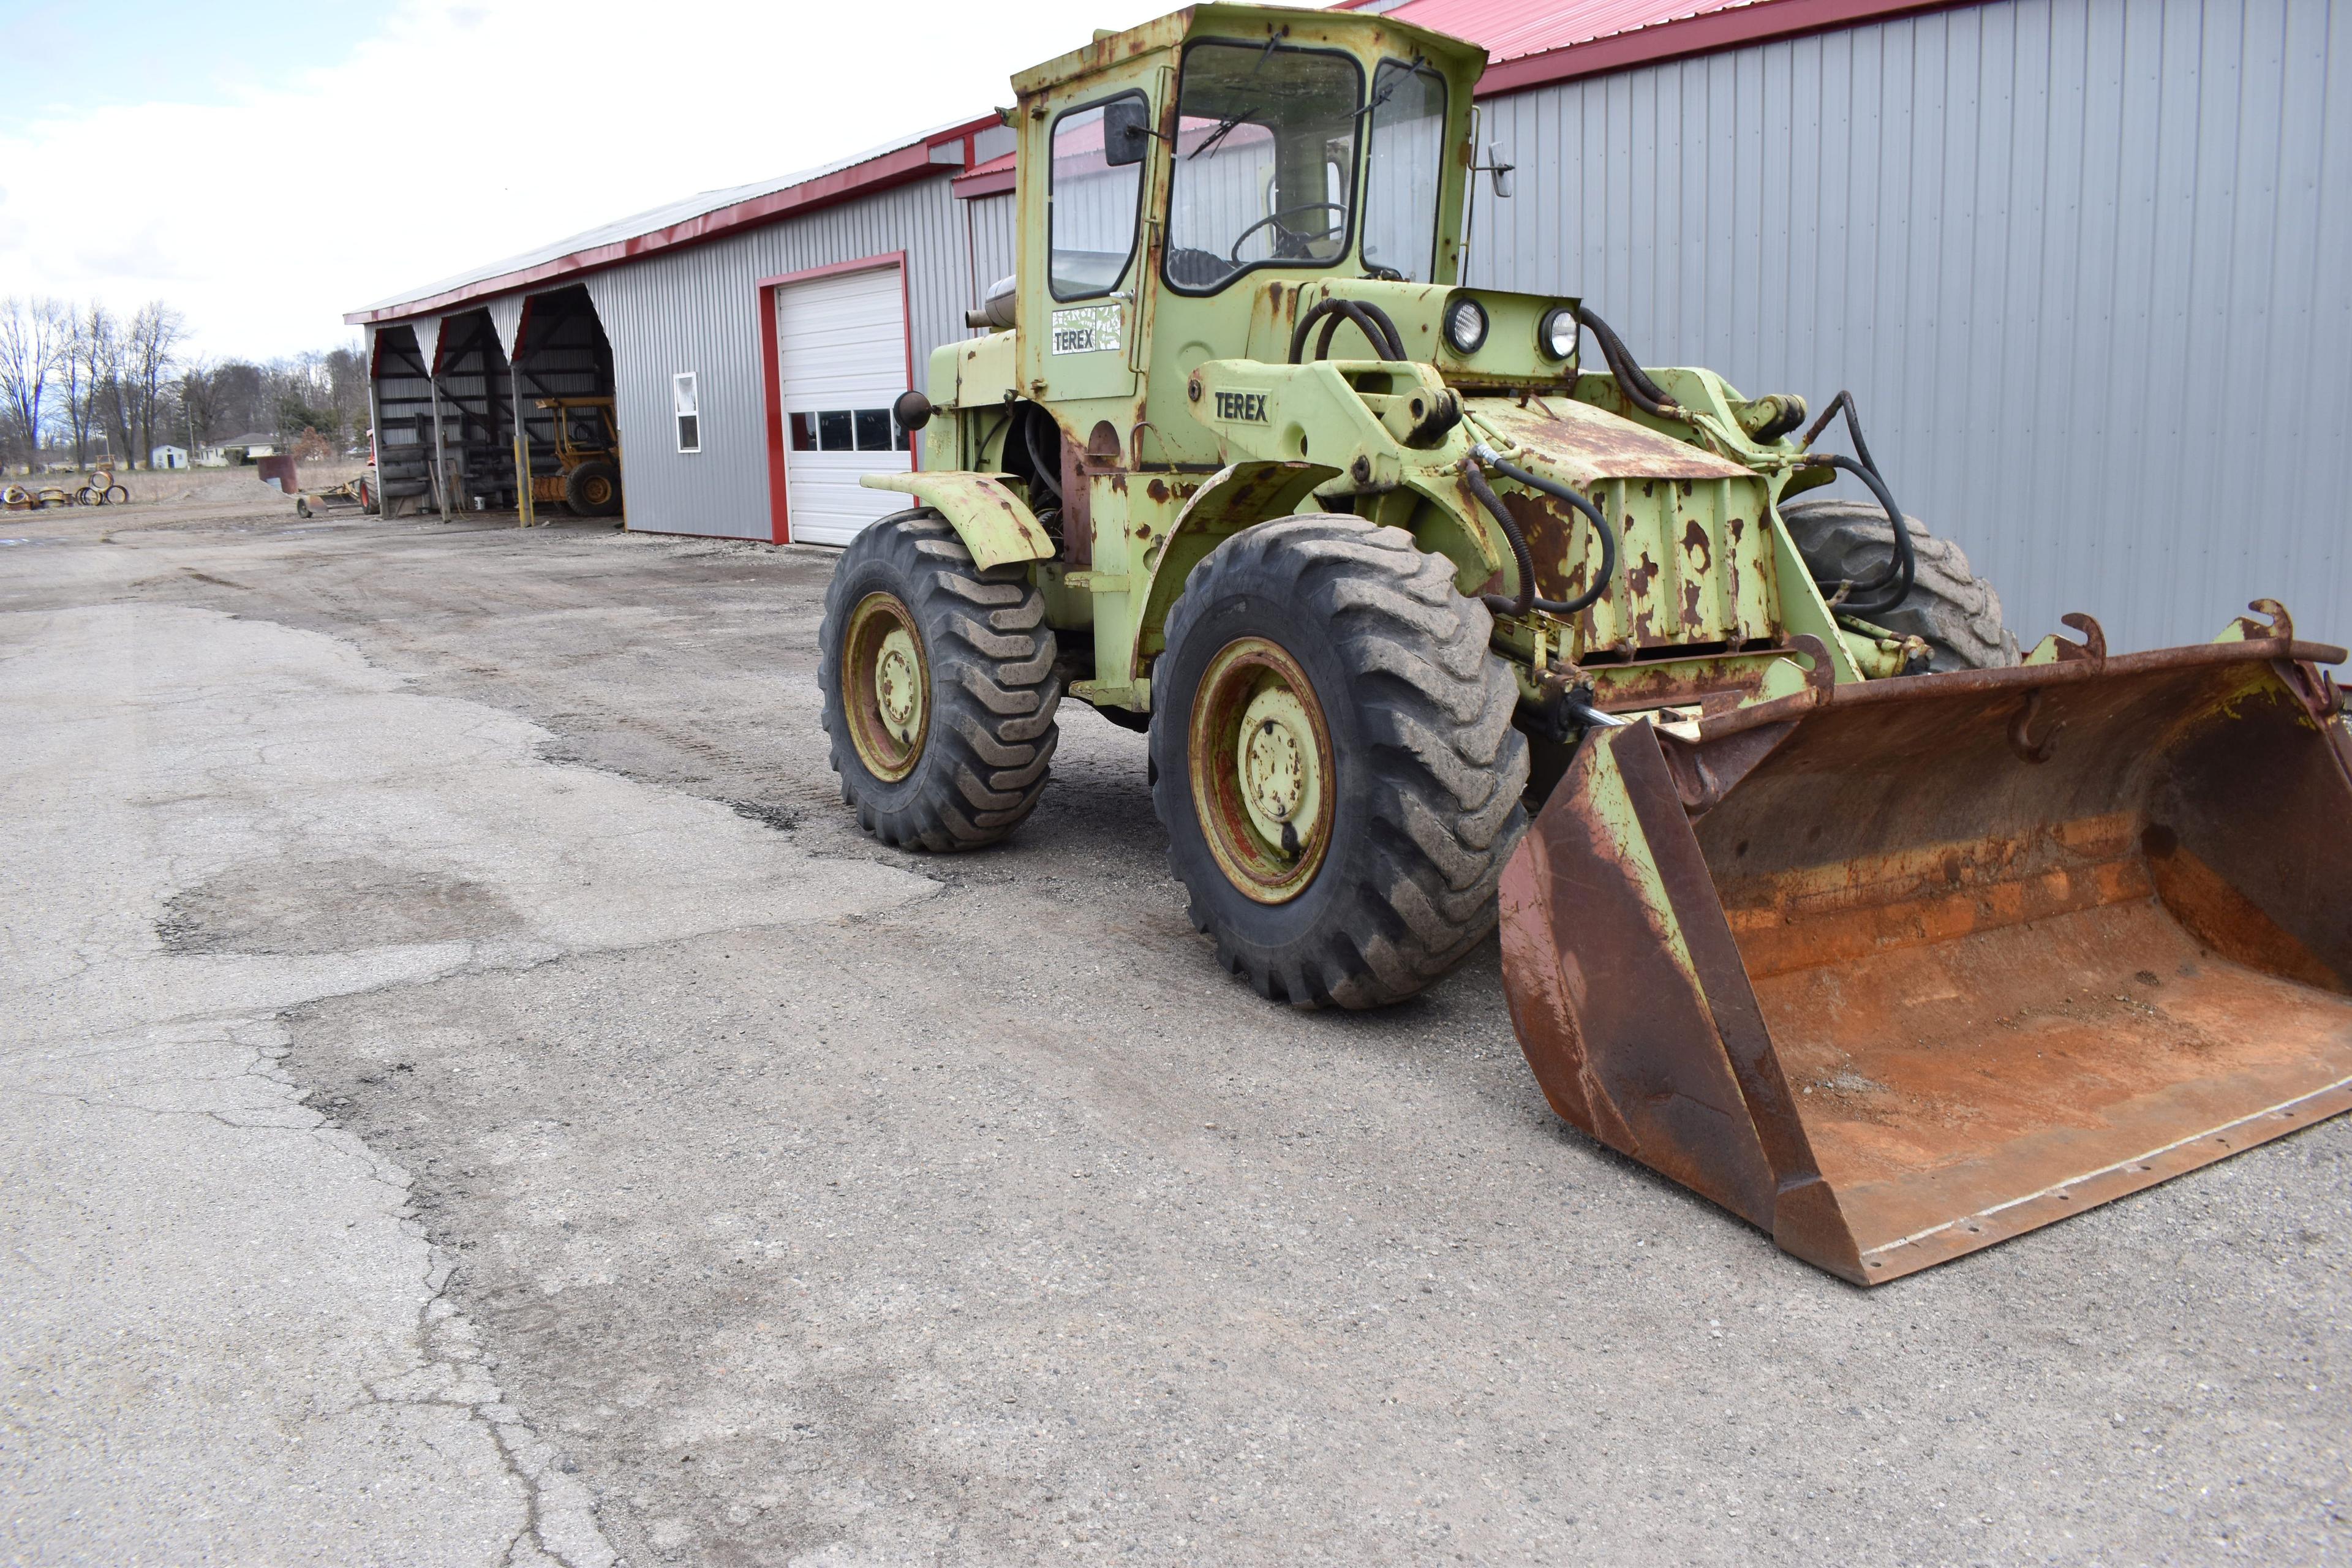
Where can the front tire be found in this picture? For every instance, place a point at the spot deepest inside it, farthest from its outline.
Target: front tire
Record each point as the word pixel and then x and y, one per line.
pixel 1954 612
pixel 1335 762
pixel 939 683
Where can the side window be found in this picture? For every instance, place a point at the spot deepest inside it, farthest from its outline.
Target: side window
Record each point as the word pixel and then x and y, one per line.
pixel 1407 147
pixel 1091 201
pixel 687 403
pixel 847 430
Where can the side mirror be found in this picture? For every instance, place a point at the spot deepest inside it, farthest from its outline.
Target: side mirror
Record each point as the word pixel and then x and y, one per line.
pixel 1498 169
pixel 1127 131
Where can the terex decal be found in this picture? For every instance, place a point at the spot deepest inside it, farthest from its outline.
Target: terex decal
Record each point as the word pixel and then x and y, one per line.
pixel 1086 329
pixel 1248 408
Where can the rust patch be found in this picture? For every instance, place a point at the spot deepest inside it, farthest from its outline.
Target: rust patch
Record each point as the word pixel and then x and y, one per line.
pixel 1586 443
pixel 1692 616
pixel 1696 546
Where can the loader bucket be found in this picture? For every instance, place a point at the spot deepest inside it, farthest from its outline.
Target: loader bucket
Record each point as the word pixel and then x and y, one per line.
pixel 1898 970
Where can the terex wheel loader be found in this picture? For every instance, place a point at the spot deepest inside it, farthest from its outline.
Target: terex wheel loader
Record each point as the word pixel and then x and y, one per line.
pixel 1830 907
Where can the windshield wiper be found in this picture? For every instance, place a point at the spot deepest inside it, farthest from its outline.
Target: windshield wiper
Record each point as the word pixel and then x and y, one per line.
pixel 1383 96
pixel 1225 126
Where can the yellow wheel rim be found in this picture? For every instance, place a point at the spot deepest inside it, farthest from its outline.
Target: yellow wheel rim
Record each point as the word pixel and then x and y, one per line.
pixel 887 685
pixel 1260 758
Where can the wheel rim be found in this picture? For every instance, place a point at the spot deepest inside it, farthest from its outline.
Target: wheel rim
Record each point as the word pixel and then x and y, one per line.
pixel 599 489
pixel 887 685
pixel 1260 756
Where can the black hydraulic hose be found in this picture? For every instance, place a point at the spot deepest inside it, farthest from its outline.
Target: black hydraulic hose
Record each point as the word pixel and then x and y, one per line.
pixel 1505 603
pixel 1645 394
pixel 1843 401
pixel 1484 455
pixel 1047 469
pixel 1375 323
pixel 1892 585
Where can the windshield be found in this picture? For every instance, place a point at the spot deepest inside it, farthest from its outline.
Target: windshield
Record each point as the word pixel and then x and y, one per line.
pixel 1405 147
pixel 1266 161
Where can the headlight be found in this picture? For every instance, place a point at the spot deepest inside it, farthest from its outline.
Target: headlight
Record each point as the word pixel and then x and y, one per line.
pixel 1556 333
pixel 1466 326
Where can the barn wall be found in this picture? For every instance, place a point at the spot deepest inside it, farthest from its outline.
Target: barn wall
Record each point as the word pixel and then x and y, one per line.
pixel 994 251
pixel 698 309
pixel 2079 260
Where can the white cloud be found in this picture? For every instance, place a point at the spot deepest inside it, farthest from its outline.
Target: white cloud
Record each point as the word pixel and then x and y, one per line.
pixel 462 132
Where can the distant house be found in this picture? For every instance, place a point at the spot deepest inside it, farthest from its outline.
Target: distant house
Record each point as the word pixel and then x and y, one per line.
pixel 168 457
pixel 237 450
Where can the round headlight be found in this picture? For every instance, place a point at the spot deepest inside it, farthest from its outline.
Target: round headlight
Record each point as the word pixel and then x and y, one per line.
pixel 1466 326
pixel 1556 335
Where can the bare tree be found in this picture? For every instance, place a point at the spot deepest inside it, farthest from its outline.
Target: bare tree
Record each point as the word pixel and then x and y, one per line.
pixel 32 334
pixel 150 345
pixel 74 381
pixel 110 386
pixel 200 400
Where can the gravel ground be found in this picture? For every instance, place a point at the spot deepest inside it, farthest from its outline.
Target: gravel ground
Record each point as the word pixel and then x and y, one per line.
pixel 810 1201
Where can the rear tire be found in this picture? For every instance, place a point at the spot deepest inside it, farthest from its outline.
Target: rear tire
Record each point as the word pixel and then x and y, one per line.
pixel 939 683
pixel 1424 768
pixel 1954 612
pixel 593 490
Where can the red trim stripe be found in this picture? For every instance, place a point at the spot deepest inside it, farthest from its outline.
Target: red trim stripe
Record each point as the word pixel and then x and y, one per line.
pixel 893 168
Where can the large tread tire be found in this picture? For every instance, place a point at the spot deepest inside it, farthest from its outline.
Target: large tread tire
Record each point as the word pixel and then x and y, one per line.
pixel 1430 770
pixel 1954 612
pixel 993 691
pixel 594 488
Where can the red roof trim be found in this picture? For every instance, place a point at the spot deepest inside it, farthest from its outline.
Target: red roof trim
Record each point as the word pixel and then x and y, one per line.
pixel 1701 34
pixel 992 178
pixel 893 168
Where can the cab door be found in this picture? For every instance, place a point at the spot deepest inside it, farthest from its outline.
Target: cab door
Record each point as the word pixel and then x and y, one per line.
pixel 1081 309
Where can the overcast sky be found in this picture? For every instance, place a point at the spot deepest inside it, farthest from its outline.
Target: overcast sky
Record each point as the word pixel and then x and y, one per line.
pixel 267 165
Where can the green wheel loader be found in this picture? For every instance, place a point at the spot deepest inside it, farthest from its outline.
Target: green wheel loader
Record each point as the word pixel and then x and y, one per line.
pixel 1812 895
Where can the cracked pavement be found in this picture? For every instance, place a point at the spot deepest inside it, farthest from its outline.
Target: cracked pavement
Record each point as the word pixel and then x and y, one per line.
pixel 471 1096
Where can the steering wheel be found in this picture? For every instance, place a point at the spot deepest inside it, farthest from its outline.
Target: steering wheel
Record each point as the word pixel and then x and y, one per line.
pixel 1234 255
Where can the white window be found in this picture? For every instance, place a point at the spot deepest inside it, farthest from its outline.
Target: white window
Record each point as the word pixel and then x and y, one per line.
pixel 690 412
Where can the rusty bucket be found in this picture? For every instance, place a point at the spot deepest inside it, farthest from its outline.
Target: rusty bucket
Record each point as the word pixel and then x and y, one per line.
pixel 1899 970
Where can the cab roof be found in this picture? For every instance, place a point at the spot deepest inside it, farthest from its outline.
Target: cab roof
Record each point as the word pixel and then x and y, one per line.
pixel 1166 33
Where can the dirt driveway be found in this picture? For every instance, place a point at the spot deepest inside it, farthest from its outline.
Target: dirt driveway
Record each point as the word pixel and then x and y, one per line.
pixel 581 1141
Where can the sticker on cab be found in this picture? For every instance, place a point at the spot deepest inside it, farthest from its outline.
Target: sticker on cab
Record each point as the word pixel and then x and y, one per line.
pixel 1086 329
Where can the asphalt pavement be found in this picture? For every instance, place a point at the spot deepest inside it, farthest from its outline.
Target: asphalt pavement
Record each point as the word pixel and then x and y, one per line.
pixel 469 1094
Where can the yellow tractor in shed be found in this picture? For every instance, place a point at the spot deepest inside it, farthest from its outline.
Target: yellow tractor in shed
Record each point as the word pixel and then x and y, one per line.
pixel 587 454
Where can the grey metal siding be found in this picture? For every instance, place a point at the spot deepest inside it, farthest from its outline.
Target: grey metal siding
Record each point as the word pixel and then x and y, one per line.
pixel 989 220
pixel 2081 262
pixel 698 309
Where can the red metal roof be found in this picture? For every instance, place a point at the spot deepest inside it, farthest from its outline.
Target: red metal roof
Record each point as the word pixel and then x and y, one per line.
pixel 1530 42
pixel 1511 28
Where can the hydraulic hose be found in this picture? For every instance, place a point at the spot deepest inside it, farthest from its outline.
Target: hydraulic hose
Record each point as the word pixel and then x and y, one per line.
pixel 1046 465
pixel 1893 584
pixel 1843 402
pixel 1375 323
pixel 1485 455
pixel 1645 394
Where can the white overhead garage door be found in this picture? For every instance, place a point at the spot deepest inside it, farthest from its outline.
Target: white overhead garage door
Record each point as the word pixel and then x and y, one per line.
pixel 841 360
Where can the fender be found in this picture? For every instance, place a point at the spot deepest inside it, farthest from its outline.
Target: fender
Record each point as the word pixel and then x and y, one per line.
pixel 989 518
pixel 1235 496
